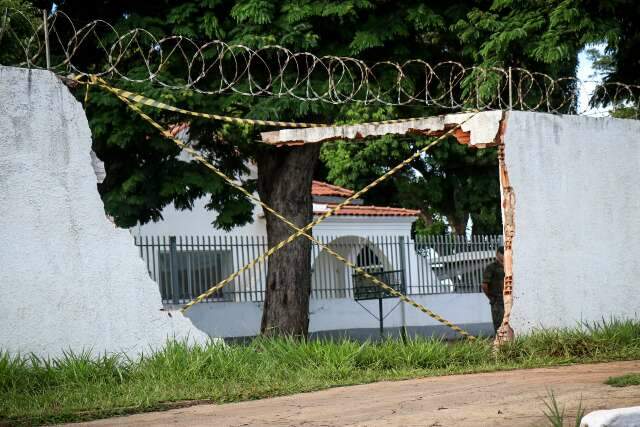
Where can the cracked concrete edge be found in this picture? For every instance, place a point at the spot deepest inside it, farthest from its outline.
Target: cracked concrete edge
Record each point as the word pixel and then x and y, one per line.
pixel 93 290
pixel 508 202
pixel 479 130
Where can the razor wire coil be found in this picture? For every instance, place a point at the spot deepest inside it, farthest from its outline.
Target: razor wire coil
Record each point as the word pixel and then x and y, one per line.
pixel 215 67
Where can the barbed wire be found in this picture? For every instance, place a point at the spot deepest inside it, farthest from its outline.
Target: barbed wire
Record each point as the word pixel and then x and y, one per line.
pixel 215 67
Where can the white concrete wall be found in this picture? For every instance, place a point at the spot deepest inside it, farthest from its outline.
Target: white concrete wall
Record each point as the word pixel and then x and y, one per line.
pixel 69 279
pixel 577 218
pixel 344 314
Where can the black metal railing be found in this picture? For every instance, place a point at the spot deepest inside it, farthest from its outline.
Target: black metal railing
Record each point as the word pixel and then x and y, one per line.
pixel 365 288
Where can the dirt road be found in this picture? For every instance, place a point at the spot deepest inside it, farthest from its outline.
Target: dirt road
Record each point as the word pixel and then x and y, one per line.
pixel 512 398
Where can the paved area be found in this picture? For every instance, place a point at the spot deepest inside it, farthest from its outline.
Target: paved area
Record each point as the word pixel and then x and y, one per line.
pixel 512 398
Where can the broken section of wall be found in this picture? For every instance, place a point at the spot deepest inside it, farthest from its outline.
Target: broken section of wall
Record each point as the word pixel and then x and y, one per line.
pixel 69 279
pixel 478 129
pixel 575 250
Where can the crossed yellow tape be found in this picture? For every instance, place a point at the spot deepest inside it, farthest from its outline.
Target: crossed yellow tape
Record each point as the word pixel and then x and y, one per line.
pixel 130 98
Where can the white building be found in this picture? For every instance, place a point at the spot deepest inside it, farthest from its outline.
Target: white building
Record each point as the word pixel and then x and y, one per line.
pixel 186 255
pixel 366 235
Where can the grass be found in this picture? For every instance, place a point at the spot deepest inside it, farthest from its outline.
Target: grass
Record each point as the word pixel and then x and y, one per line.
pixel 78 387
pixel 557 416
pixel 624 380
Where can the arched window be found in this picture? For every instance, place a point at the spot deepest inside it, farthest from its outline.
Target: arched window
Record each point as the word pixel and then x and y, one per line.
pixel 369 261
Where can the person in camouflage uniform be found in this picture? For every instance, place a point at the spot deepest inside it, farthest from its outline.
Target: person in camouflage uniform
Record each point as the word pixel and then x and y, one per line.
pixel 492 285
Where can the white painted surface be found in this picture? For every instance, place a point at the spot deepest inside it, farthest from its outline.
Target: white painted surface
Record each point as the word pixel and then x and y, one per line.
pixel 483 127
pixel 364 226
pixel 577 201
pixel 620 417
pixel 335 314
pixel 344 314
pixel 198 221
pixel 69 279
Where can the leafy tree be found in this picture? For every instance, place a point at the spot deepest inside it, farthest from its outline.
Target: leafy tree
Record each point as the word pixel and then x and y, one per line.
pixel 144 172
pixel 18 21
pixel 448 185
pixel 546 36
pixel 616 24
pixel 623 100
pixel 451 182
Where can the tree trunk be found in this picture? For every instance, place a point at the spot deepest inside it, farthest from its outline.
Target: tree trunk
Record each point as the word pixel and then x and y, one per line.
pixel 284 183
pixel 426 218
pixel 458 223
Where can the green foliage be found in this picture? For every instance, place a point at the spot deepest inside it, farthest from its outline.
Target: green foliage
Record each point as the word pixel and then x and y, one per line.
pixel 623 102
pixel 79 387
pixel 625 112
pixel 515 32
pixel 253 11
pixel 616 23
pixel 452 182
pixel 144 174
pixel 449 184
pixel 542 36
pixel 572 345
pixel 556 415
pixel 429 225
pixel 18 22
pixel 545 36
pixel 624 380
pixel 144 171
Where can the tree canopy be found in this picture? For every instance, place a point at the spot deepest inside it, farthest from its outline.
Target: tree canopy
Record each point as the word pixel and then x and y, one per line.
pixel 145 172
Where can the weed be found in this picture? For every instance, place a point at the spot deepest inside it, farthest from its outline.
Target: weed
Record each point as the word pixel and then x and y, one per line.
pixel 557 416
pixel 624 380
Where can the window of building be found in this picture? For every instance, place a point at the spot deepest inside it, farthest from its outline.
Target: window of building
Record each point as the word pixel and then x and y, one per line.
pixel 195 272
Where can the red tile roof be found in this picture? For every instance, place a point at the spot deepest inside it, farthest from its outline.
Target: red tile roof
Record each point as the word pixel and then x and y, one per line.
pixel 319 188
pixel 359 210
pixel 177 128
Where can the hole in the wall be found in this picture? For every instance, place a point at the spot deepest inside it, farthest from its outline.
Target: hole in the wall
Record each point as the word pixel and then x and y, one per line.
pixel 475 131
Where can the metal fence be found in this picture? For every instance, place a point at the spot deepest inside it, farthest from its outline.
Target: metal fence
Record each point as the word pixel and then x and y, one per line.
pixel 186 266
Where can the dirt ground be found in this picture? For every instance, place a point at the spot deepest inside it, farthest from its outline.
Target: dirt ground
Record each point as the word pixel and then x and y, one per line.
pixel 512 398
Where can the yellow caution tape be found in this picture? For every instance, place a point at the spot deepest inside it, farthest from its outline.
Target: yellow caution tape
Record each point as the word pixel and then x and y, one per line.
pixel 141 99
pixel 300 231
